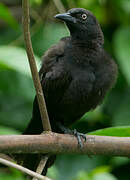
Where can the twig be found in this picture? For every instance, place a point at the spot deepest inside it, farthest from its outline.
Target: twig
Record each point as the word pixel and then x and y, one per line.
pixel 34 28
pixel 5 156
pixel 62 143
pixel 38 21
pixel 35 76
pixel 22 169
pixel 59 6
pixel 41 165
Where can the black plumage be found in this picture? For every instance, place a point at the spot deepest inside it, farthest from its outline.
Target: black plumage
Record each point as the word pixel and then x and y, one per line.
pixel 76 73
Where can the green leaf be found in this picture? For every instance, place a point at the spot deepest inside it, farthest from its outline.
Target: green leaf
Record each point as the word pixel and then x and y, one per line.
pixel 122 50
pixel 11 174
pixel 36 2
pixel 99 173
pixel 16 97
pixel 126 5
pixel 82 175
pixel 122 113
pixel 10 36
pixel 6 15
pixel 102 173
pixel 120 131
pixel 15 58
pixel 69 166
pixel 7 131
pixel 53 172
pixel 104 176
pixel 48 35
pixel 101 169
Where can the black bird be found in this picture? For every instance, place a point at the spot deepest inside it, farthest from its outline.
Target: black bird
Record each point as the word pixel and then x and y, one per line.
pixel 76 74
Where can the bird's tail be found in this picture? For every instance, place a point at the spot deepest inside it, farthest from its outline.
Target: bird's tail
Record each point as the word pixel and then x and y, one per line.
pixel 35 126
pixel 31 161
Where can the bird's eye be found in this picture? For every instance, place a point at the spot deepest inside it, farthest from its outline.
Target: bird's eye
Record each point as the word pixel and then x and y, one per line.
pixel 84 16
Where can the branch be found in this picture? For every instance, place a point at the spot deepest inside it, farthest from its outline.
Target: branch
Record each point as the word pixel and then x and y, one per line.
pixel 63 143
pixel 6 157
pixel 22 169
pixel 41 165
pixel 59 5
pixel 35 76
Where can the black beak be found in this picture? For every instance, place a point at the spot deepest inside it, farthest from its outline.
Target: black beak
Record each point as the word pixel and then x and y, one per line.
pixel 66 17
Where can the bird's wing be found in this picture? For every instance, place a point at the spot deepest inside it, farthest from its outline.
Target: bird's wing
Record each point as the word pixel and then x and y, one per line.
pixel 52 55
pixel 54 77
pixel 107 72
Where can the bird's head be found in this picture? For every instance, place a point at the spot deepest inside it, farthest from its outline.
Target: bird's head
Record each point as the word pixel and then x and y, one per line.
pixel 82 25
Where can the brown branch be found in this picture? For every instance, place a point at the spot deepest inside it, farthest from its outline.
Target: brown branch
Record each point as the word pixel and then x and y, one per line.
pixel 35 76
pixel 41 165
pixel 22 169
pixel 6 157
pixel 63 143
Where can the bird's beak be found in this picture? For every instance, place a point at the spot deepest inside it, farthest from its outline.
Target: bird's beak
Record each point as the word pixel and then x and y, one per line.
pixel 66 17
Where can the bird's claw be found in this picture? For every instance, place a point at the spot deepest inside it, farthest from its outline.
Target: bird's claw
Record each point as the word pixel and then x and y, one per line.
pixel 78 136
pixel 73 132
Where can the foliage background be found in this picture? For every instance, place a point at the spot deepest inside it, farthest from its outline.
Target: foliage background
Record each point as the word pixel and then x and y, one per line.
pixel 17 91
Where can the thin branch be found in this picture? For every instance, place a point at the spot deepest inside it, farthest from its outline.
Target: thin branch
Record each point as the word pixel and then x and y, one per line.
pixel 5 156
pixel 59 6
pixel 34 28
pixel 35 76
pixel 41 165
pixel 22 169
pixel 63 143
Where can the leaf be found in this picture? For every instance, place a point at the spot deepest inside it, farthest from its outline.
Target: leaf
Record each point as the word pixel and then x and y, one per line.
pixel 122 50
pixel 7 131
pixel 125 5
pixel 98 173
pixel 35 2
pixel 53 172
pixel 102 173
pixel 16 96
pixel 70 165
pixel 9 36
pixel 101 169
pixel 104 176
pixel 16 88
pixel 15 58
pixel 82 175
pixel 48 35
pixel 11 174
pixel 6 15
pixel 122 113
pixel 120 131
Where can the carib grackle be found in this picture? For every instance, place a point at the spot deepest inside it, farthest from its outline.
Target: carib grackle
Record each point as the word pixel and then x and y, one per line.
pixel 76 74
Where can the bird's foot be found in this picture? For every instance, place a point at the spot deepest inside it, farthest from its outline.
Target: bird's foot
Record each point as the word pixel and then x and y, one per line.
pixel 73 132
pixel 79 136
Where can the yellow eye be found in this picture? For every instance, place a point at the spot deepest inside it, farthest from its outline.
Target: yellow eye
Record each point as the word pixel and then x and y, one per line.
pixel 84 16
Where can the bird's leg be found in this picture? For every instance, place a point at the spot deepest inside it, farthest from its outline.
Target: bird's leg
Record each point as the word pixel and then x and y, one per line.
pixel 74 132
pixel 78 136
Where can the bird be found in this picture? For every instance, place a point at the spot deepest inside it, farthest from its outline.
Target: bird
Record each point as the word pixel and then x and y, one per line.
pixel 76 74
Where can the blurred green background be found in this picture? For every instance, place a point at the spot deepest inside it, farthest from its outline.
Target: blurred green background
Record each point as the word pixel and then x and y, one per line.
pixel 17 91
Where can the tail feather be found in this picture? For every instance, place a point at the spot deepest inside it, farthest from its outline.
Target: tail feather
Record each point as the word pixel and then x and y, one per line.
pixel 31 161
